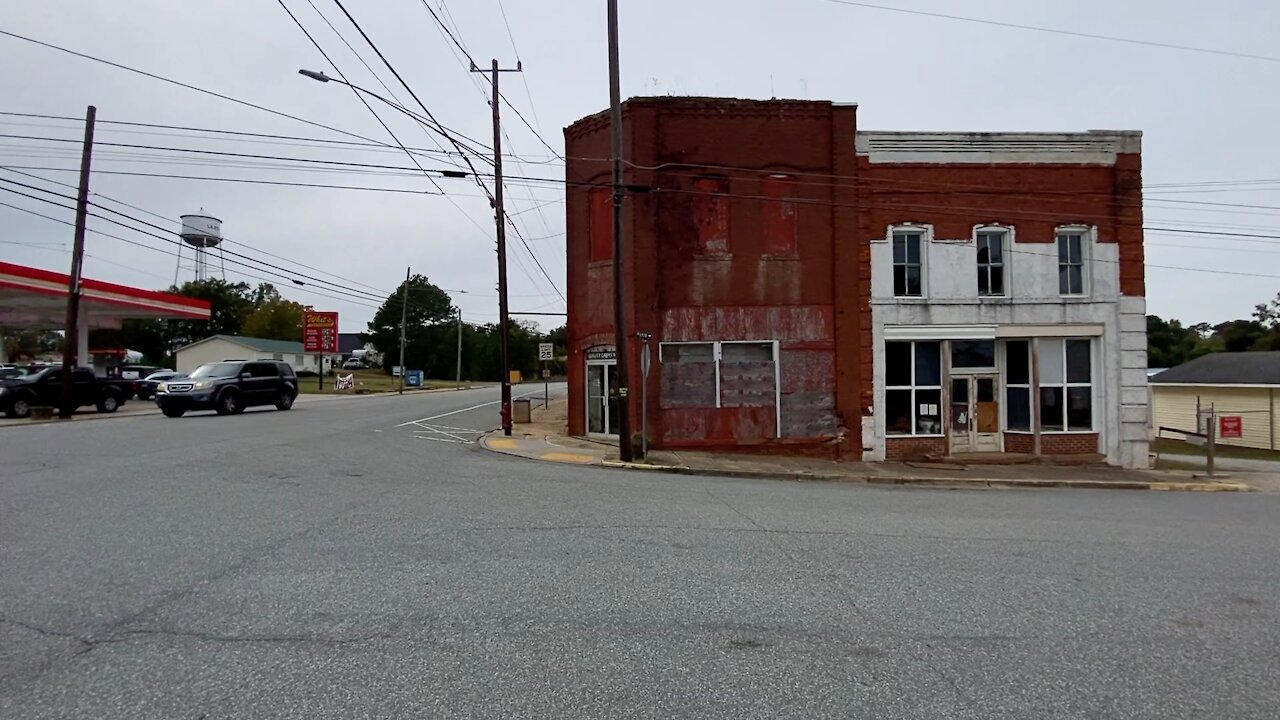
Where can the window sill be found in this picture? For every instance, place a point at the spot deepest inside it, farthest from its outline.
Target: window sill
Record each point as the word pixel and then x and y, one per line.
pixel 592 264
pixel 916 299
pixel 713 257
pixel 788 257
pixel 1068 432
pixel 913 437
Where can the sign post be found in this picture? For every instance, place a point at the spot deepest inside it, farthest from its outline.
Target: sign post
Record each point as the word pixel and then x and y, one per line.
pixel 320 336
pixel 546 353
pixel 644 394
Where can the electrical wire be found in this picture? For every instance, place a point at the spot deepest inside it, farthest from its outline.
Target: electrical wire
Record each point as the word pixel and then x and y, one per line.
pixel 181 84
pixel 359 97
pixel 1059 31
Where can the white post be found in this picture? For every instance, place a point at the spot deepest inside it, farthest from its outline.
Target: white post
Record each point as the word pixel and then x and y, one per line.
pixel 82 343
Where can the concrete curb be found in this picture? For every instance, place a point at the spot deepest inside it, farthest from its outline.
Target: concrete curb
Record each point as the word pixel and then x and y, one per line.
pixel 920 480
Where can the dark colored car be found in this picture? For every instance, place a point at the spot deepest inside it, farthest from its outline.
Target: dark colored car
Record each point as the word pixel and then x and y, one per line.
pixel 44 389
pixel 145 388
pixel 229 387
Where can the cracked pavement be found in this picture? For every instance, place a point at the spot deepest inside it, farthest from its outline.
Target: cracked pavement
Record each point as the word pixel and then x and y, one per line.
pixel 325 563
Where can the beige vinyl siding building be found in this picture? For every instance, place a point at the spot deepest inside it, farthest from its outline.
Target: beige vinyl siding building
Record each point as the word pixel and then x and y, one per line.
pixel 233 347
pixel 1233 385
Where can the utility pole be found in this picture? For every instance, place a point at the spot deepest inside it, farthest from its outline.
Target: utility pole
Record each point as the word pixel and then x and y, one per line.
pixel 500 220
pixel 458 385
pixel 404 311
pixel 71 342
pixel 625 452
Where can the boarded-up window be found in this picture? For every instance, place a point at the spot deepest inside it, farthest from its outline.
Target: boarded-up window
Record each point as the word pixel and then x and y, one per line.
pixel 711 214
pixel 747 375
pixel 688 375
pixel 780 220
pixel 601 223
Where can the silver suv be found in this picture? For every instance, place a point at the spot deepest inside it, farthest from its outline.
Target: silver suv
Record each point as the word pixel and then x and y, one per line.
pixel 229 387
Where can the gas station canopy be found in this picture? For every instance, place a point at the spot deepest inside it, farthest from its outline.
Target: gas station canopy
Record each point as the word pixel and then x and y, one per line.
pixel 37 299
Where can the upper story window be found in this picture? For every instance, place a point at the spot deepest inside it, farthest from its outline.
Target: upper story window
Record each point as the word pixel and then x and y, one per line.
pixel 908 263
pixel 781 220
pixel 991 262
pixel 711 214
pixel 600 223
pixel 1071 245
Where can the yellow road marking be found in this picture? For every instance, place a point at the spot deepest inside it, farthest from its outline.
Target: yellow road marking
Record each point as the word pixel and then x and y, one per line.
pixel 568 457
pixel 503 444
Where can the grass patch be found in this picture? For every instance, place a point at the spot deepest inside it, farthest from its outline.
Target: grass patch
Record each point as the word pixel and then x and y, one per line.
pixel 367 381
pixel 1168 446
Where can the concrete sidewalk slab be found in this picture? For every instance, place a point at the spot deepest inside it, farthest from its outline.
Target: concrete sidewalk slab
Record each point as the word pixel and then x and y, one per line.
pixel 544 440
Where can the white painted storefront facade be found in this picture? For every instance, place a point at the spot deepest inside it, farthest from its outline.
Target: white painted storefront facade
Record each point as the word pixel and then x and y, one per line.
pixel 1037 345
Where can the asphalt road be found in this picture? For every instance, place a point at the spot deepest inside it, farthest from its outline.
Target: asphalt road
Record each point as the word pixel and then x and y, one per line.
pixel 332 562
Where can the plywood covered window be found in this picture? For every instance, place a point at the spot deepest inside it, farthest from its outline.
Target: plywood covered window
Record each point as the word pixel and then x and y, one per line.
pixel 780 217
pixel 600 210
pixel 729 374
pixel 711 214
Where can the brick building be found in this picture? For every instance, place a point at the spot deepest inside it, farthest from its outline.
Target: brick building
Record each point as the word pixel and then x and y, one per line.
pixel 812 288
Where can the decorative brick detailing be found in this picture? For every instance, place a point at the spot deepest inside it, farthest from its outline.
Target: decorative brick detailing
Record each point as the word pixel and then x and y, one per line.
pixel 1019 443
pixel 1082 444
pixel 913 448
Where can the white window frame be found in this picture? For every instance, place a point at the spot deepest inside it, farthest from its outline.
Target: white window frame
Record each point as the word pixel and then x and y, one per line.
pixel 926 237
pixel 717 354
pixel 913 388
pixel 1067 385
pixel 1086 233
pixel 1006 253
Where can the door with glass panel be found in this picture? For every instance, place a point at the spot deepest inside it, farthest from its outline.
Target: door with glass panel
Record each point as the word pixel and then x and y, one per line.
pixel 975 414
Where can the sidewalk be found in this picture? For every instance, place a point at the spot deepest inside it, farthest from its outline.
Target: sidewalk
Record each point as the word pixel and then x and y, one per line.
pixel 544 439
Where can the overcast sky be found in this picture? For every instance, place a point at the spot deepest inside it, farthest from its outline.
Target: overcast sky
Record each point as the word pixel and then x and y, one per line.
pixel 1206 118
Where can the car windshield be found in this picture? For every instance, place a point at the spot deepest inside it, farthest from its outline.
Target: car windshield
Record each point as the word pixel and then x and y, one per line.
pixel 162 376
pixel 216 370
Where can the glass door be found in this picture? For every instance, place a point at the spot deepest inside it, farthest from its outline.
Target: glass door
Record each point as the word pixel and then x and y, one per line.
pixel 596 394
pixel 975 414
pixel 602 400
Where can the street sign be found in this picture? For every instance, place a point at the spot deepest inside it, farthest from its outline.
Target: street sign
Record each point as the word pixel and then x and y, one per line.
pixel 546 351
pixel 645 362
pixel 319 332
pixel 1230 426
pixel 546 373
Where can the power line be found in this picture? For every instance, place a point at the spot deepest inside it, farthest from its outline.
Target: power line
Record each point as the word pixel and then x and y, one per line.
pixel 439 128
pixel 161 250
pixel 292 277
pixel 1059 31
pixel 472 60
pixel 188 86
pixel 359 97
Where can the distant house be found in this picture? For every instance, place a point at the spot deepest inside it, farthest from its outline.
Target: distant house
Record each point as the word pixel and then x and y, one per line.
pixel 1243 386
pixel 235 347
pixel 353 345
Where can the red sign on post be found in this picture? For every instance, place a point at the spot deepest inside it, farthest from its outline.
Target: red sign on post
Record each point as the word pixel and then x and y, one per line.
pixel 1230 426
pixel 320 332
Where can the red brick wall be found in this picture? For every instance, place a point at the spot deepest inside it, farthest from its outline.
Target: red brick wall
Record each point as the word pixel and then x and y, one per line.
pixel 1081 444
pixel 682 284
pixel 1019 443
pixel 911 448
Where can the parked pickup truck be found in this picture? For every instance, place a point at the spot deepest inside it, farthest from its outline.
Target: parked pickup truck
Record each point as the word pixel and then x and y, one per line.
pixel 44 389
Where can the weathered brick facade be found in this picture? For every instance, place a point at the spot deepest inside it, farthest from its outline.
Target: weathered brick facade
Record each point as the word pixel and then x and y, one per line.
pixel 749 257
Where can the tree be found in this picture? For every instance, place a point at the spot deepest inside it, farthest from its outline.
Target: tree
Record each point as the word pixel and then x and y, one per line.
pixel 272 316
pixel 429 317
pixel 229 302
pixel 1170 344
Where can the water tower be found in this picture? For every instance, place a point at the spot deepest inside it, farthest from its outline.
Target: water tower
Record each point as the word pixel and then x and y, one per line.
pixel 203 233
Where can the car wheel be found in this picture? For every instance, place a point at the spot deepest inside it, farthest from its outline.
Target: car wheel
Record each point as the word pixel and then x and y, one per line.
pixel 229 404
pixel 284 402
pixel 19 409
pixel 109 404
pixel 174 412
